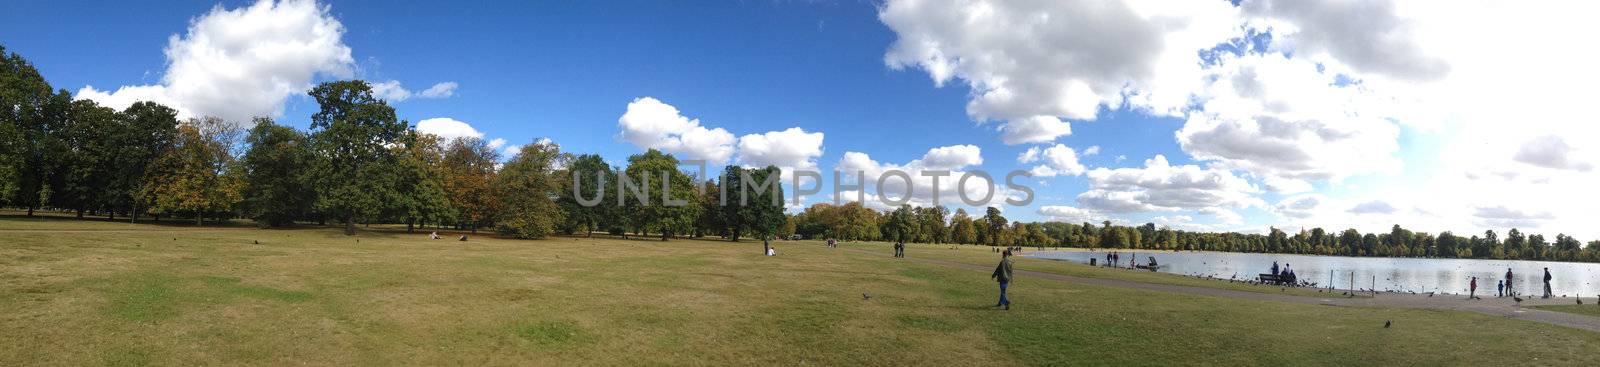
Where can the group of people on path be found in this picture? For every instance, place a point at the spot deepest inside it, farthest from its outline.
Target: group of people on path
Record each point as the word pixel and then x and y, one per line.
pixel 1285 274
pixel 900 249
pixel 1506 287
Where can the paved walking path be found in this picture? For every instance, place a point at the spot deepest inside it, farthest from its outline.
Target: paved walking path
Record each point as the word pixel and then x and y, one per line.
pixel 1505 307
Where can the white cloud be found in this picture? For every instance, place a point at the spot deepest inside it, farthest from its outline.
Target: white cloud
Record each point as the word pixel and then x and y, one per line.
pixel 1035 129
pixel 1058 160
pixel 1068 214
pixel 1160 186
pixel 1091 150
pixel 1285 120
pixel 513 151
pixel 954 159
pixel 1551 151
pixel 448 129
pixel 1032 63
pixel 242 63
pixel 649 123
pixel 1029 156
pixel 440 90
pixel 1373 207
pixel 789 150
pixel 392 91
pixel 1367 35
pixel 1300 206
pixel 496 143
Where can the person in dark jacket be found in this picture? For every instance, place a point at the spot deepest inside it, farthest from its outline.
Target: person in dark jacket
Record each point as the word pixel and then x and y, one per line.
pixel 1547 292
pixel 1002 274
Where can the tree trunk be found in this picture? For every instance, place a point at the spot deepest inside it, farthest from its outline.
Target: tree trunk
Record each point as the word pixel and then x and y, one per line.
pixel 80 212
pixel 134 213
pixel 349 226
pixel 30 211
pixel 411 225
pixel 199 219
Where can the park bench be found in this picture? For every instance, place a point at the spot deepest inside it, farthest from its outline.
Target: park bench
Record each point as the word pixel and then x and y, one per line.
pixel 1276 279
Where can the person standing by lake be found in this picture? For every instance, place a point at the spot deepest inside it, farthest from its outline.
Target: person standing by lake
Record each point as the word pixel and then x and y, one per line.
pixel 1511 289
pixel 1002 274
pixel 1500 289
pixel 1547 293
pixel 1472 288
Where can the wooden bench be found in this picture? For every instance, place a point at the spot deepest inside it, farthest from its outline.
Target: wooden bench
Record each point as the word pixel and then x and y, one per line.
pixel 1276 279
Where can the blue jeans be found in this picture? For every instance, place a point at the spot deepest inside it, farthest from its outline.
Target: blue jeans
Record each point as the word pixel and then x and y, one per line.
pixel 1003 300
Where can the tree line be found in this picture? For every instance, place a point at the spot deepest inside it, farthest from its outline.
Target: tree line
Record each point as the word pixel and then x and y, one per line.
pixel 357 164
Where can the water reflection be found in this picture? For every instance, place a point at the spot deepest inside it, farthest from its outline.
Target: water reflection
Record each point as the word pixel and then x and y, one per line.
pixel 1384 274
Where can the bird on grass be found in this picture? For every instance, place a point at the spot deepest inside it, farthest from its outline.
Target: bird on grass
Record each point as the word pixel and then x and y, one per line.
pixel 1580 301
pixel 1518 299
pixel 1386 323
pixel 866 296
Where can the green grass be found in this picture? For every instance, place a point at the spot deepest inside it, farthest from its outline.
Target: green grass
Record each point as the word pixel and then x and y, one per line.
pixel 1586 310
pixel 104 293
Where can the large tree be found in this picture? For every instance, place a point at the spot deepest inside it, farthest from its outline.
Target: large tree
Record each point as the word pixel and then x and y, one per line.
pixel 194 175
pixel 469 170
pixel 89 162
pixel 653 180
pixel 962 230
pixel 150 131
pixel 351 135
pixel 595 180
pixel 761 206
pixel 527 185
pixel 419 176
pixel 995 224
pixel 276 190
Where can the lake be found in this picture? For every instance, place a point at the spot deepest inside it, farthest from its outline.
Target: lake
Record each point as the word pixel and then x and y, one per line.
pixel 1381 273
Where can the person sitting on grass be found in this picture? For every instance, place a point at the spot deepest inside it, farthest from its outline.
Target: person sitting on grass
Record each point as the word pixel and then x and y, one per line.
pixel 434 235
pixel 1002 274
pixel 772 251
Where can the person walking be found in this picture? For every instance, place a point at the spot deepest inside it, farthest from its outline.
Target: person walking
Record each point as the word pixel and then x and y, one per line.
pixel 1472 289
pixel 1547 293
pixel 1002 274
pixel 1511 286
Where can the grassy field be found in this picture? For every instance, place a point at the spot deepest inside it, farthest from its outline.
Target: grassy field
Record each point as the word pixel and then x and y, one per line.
pixel 100 293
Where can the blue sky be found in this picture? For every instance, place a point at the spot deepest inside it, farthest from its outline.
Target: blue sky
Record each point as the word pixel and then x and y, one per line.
pixel 894 80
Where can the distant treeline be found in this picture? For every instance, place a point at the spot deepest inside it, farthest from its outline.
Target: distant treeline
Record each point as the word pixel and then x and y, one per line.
pixel 358 164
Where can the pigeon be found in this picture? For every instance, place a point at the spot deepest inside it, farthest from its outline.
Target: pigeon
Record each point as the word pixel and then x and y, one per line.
pixel 1518 299
pixel 866 296
pixel 1580 301
pixel 1386 323
pixel 256 241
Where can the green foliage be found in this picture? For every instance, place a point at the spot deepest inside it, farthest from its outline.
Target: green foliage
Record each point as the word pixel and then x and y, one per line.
pixel 351 136
pixel 421 195
pixel 469 175
pixel 656 175
pixel 196 175
pixel 528 186
pixel 595 178
pixel 276 191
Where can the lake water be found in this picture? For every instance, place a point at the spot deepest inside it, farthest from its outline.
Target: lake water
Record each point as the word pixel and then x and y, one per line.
pixel 1384 274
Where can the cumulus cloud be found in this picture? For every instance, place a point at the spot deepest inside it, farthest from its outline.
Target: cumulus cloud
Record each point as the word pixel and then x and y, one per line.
pixel 1033 63
pixel 789 150
pixel 449 129
pixel 953 159
pixel 392 91
pixel 1286 121
pixel 1300 206
pixel 1373 207
pixel 1550 151
pixel 241 63
pixel 440 90
pixel 1160 186
pixel 652 124
pixel 1367 35
pixel 1059 160
pixel 1091 150
pixel 1069 214
pixel 496 143
pixel 1501 216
